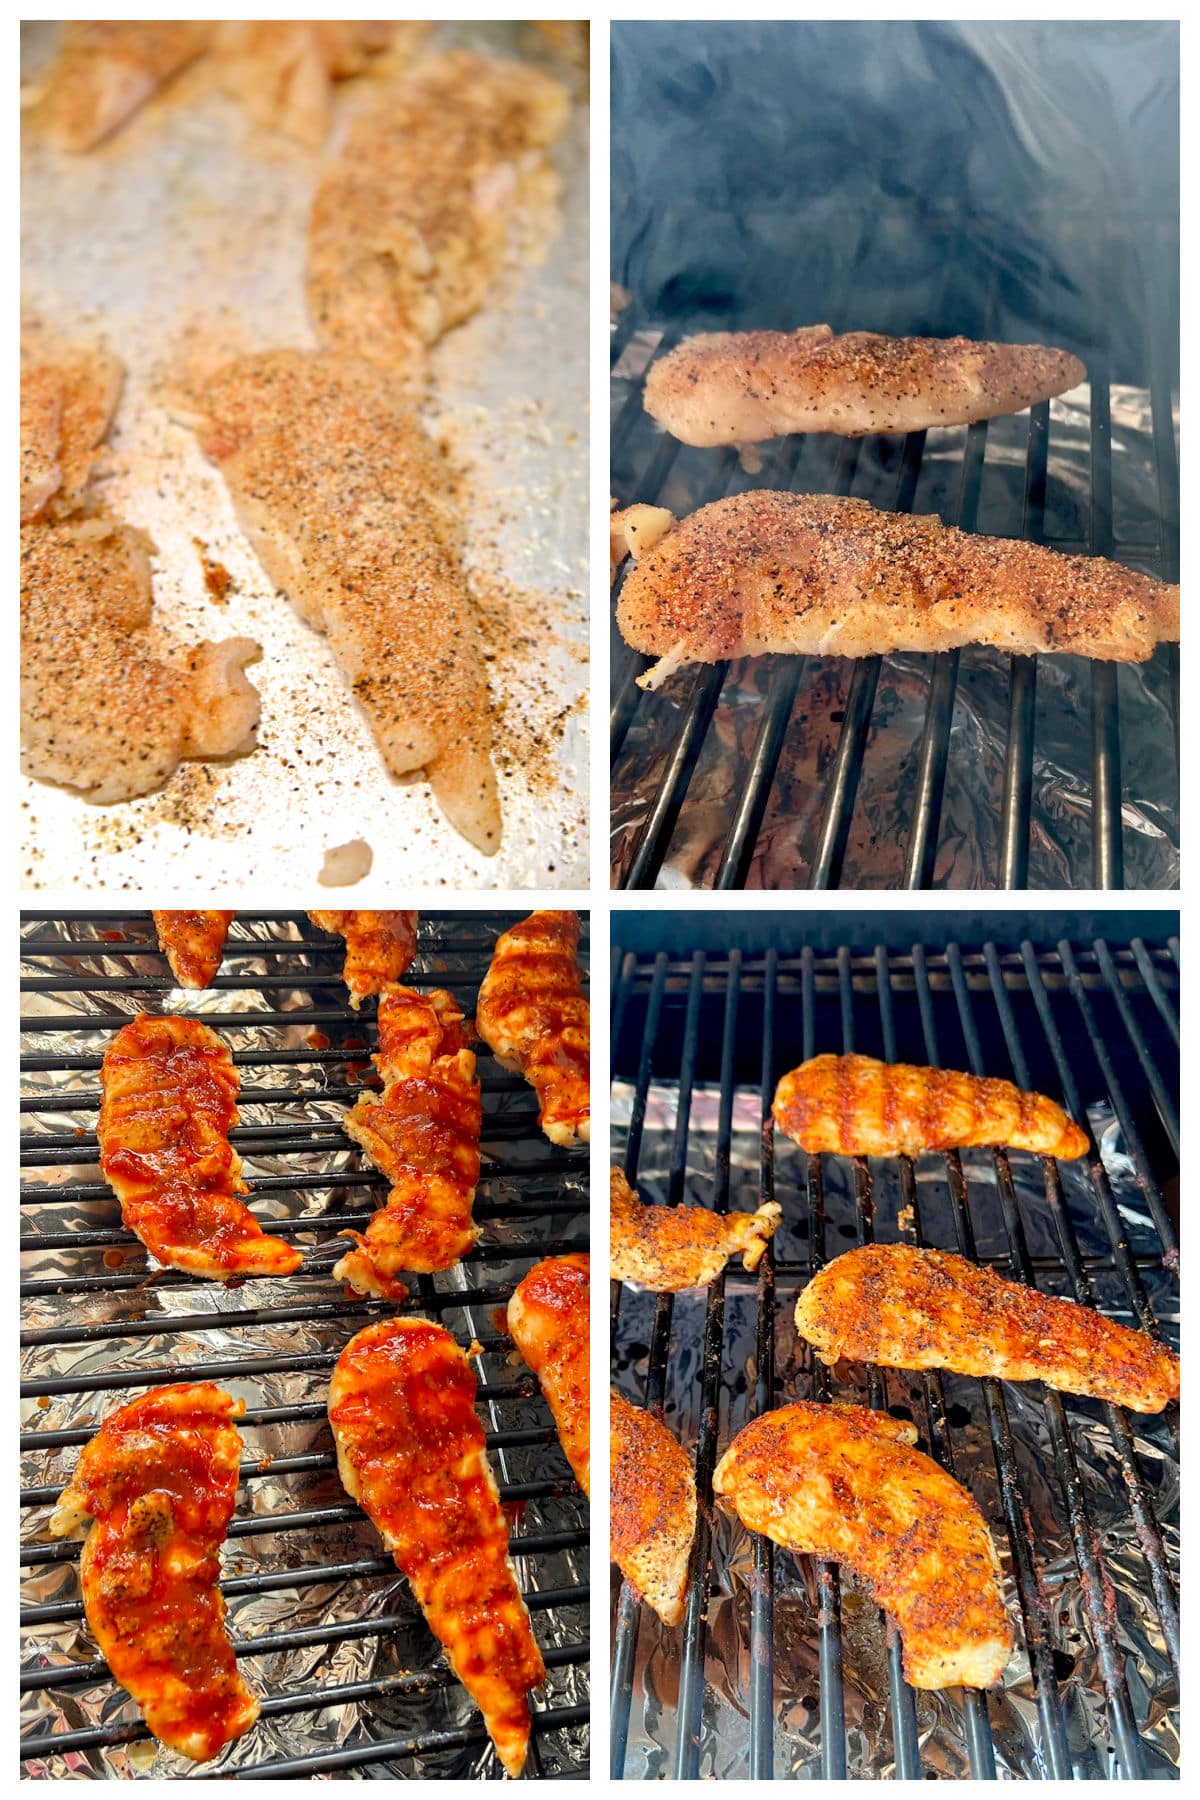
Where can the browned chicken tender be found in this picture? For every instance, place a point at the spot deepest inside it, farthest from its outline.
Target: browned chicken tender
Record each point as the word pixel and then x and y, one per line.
pixel 668 1248
pixel 379 948
pixel 548 1317
pixel 534 1017
pixel 192 943
pixel 857 1106
pixel 652 1508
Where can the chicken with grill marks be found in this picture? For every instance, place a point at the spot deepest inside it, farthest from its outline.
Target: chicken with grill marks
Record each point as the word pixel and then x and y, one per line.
pixel 857 1106
pixel 192 943
pixel 844 1484
pixel 422 1132
pixel 380 946
pixel 412 1452
pixel 169 1103
pixel 927 1309
pixel 652 1508
pixel 666 1249
pixel 548 1317
pixel 159 1481
pixel 533 1015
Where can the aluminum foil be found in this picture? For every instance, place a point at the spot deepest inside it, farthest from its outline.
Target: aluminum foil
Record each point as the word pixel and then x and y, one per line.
pixel 184 237
pixel 969 839
pixel 724 1748
pixel 509 1131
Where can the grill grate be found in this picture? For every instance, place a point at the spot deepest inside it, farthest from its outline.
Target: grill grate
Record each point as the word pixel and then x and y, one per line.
pixel 353 1682
pixel 775 1676
pixel 911 771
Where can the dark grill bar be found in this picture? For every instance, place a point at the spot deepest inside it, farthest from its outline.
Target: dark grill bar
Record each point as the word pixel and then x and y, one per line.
pixel 353 1683
pixel 780 1668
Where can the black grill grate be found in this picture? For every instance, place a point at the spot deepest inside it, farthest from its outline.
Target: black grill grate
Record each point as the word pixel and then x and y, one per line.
pixel 1081 1497
pixel 353 1682
pixel 705 789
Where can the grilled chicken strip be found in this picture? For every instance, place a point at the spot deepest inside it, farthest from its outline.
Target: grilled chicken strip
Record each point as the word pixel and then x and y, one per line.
pixel 412 1453
pixel 170 1102
pixel 820 575
pixel 412 220
pixel 926 1309
pixel 107 69
pixel 192 943
pixel 843 1483
pixel 110 705
pixel 856 1106
pixel 342 495
pixel 741 387
pixel 422 1132
pixel 668 1248
pixel 533 1015
pixel 380 946
pixel 652 1509
pixel 548 1318
pixel 68 398
pixel 284 70
pixel 159 1480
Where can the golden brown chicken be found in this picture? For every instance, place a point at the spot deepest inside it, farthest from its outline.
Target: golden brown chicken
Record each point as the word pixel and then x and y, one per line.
pixel 192 943
pixel 668 1248
pixel 533 1015
pixel 107 69
pixel 856 1106
pixel 346 501
pixel 412 1452
pixel 422 1132
pixel 170 1102
pixel 652 1508
pixel 926 1309
pixel 411 222
pixel 379 947
pixel 159 1480
pixel 844 1484
pixel 548 1317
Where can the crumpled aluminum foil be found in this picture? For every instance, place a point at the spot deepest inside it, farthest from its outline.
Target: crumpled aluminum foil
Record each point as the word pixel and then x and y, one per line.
pixel 509 1127
pixel 724 1750
pixel 969 836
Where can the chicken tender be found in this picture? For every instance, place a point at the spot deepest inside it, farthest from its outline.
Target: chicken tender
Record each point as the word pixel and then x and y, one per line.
pixel 668 1248
pixel 534 1016
pixel 652 1508
pixel 548 1317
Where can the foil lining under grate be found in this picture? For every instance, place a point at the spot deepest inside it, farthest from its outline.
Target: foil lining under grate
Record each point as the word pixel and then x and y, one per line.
pixel 354 1683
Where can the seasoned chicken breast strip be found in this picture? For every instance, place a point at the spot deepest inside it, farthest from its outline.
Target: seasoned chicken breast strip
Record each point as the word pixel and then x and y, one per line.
pixel 652 1508
pixel 380 947
pixel 843 1483
pixel 533 1015
pixel 822 575
pixel 192 943
pixel 411 222
pixel 107 69
pixel 422 1132
pixel 927 1309
pixel 741 387
pixel 68 399
pixel 548 1317
pixel 159 1480
pixel 412 1452
pixel 170 1102
pixel 284 70
pixel 668 1248
pixel 857 1106
pixel 341 494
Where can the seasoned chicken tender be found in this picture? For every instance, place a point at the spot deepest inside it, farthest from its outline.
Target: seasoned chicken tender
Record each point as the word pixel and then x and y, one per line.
pixel 159 1479
pixel 284 70
pixel 742 387
pixel 534 1016
pixel 927 1309
pixel 652 1508
pixel 548 1317
pixel 170 1102
pixel 823 575
pixel 411 222
pixel 843 1483
pixel 68 398
pixel 106 69
pixel 342 495
pixel 380 946
pixel 412 1452
pixel 192 943
pixel 668 1248
pixel 110 705
pixel 857 1106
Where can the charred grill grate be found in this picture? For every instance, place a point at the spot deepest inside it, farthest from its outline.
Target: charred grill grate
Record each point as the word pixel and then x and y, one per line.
pixel 912 771
pixel 353 1682
pixel 778 1668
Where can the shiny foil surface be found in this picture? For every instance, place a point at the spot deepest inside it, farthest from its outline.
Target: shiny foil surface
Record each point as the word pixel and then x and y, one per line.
pixel 344 1685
